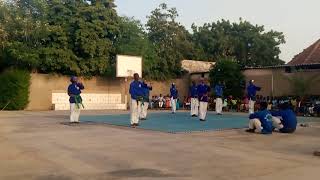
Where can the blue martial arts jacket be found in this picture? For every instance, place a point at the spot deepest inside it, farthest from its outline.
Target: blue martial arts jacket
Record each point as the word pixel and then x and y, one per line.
pixel 136 89
pixel 218 89
pixel 174 92
pixel 203 91
pixel 146 91
pixel 193 91
pixel 74 89
pixel 252 91
pixel 289 119
pixel 265 118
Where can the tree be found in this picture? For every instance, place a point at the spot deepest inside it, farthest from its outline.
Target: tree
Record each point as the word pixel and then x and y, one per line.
pixel 68 37
pixel 249 45
pixel 228 71
pixel 133 40
pixel 170 39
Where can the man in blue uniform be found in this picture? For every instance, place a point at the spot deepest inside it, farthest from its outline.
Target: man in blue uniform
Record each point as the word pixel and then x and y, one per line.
pixel 252 92
pixel 261 121
pixel 287 123
pixel 136 92
pixel 74 91
pixel 218 89
pixel 146 95
pixel 194 100
pixel 203 93
pixel 174 97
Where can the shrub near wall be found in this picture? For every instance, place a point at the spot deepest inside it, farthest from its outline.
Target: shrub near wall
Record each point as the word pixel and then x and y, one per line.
pixel 14 89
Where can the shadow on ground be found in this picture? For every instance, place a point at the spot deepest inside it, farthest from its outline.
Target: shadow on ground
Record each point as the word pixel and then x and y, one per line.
pixel 140 173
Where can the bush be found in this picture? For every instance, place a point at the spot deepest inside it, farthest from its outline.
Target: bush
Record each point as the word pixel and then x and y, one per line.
pixel 14 89
pixel 228 71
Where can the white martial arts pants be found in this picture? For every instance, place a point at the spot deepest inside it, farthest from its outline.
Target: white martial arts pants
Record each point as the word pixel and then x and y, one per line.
pixel 173 105
pixel 219 105
pixel 144 110
pixel 135 110
pixel 194 106
pixel 251 106
pixel 255 124
pixel 276 123
pixel 203 110
pixel 74 112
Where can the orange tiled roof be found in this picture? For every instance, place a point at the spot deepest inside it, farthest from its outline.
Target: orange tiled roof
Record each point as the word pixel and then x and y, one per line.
pixel 311 55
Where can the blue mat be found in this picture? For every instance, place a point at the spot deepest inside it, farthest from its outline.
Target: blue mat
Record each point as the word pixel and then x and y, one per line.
pixel 175 123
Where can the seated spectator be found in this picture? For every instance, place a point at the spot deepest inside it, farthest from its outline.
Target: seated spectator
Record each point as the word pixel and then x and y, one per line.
pixel 186 102
pixel 261 121
pixel 167 102
pixel 152 102
pixel 161 101
pixel 232 103
pixel 294 103
pixel 269 106
pixel 287 123
pixel 275 103
pixel 317 107
pixel 245 104
pixel 225 105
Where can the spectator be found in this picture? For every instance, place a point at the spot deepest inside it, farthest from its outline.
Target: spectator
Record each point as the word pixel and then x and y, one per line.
pixel 186 102
pixel 161 100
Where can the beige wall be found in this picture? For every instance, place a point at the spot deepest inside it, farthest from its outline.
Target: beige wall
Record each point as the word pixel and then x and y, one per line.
pixel 42 86
pixel 281 83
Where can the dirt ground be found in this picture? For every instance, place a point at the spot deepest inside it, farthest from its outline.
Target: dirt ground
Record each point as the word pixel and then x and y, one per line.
pixel 35 145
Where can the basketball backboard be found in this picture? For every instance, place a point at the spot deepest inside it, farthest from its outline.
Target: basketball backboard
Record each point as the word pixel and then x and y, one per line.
pixel 128 65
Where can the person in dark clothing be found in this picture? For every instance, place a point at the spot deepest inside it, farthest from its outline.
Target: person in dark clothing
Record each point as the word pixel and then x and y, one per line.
pixel 74 91
pixel 261 121
pixel 288 120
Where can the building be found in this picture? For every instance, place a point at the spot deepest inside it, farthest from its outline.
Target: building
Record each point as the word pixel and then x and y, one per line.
pixel 197 69
pixel 289 79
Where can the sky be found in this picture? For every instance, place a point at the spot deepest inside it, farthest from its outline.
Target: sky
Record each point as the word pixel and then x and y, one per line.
pixel 299 20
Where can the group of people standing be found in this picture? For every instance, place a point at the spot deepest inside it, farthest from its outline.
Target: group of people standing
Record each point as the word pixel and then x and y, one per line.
pixel 199 99
pixel 263 121
pixel 140 92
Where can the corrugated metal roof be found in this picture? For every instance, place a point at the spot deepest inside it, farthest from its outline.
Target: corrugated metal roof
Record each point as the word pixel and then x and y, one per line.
pixel 312 65
pixel 196 66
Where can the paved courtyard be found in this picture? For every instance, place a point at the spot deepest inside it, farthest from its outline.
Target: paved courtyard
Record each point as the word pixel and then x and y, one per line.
pixel 37 146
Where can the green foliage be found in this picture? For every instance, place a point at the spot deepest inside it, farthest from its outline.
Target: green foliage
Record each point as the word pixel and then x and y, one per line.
pixel 14 89
pixel 170 39
pixel 83 37
pixel 228 71
pixel 68 37
pixel 249 44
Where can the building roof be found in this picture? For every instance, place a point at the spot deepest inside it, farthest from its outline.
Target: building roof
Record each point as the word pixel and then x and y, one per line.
pixel 197 66
pixel 311 55
pixel 297 66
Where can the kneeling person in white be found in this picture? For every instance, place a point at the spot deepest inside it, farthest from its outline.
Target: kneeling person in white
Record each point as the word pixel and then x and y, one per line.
pixel 74 91
pixel 136 92
pixel 261 121
pixel 203 92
